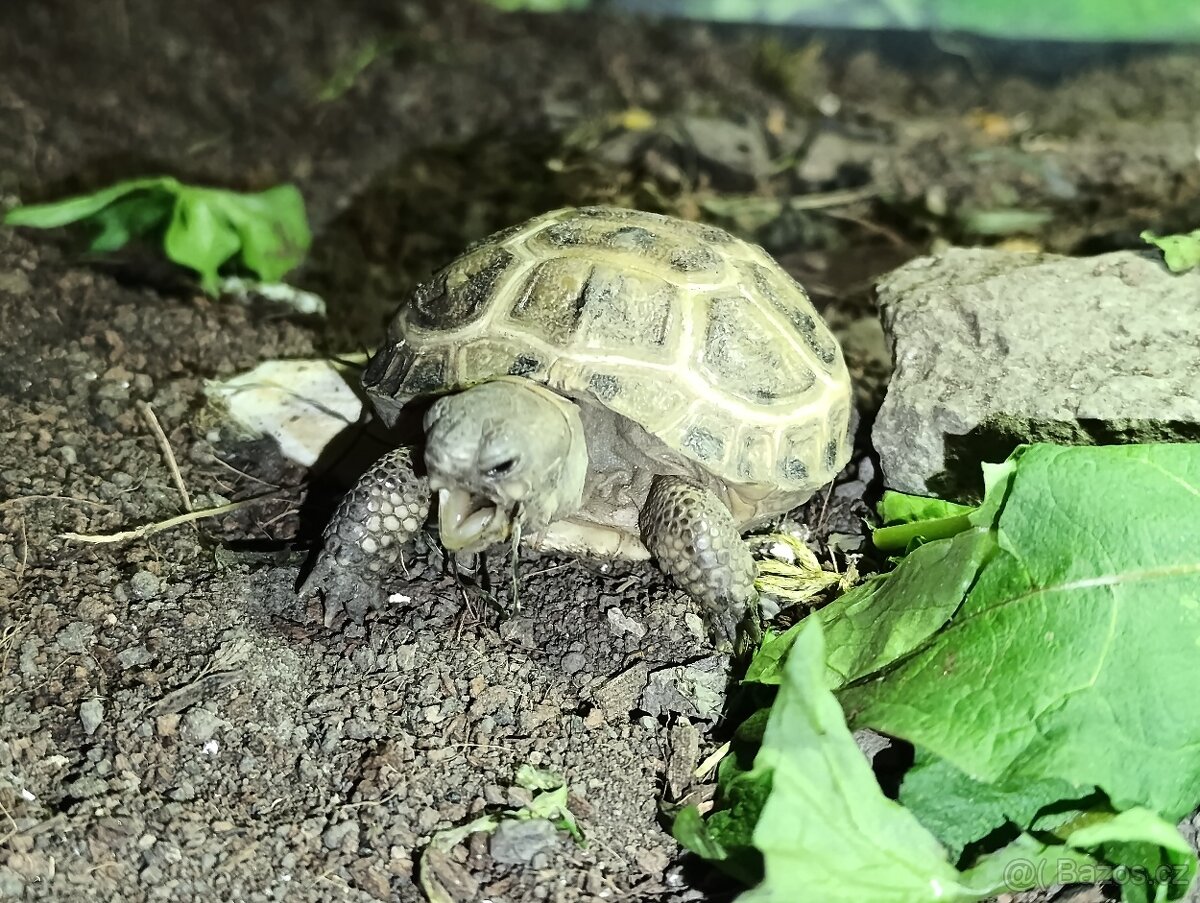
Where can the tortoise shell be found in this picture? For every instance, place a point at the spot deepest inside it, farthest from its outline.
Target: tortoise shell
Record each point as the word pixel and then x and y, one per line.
pixel 699 337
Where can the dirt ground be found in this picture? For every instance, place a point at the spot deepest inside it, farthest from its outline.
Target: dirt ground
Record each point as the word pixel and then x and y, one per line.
pixel 174 724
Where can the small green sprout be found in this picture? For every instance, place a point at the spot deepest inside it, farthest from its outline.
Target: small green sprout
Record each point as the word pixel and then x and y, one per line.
pixel 1181 252
pixel 200 228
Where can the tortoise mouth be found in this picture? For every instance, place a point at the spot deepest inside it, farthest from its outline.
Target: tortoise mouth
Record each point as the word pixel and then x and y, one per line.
pixel 468 522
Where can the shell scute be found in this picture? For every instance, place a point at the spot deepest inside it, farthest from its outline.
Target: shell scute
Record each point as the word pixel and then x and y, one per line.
pixel 460 294
pixel 737 356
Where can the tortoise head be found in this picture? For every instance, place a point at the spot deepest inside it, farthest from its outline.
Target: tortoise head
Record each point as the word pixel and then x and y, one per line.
pixel 500 452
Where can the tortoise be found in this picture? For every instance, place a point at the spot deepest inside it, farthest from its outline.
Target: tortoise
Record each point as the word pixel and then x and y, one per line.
pixel 602 382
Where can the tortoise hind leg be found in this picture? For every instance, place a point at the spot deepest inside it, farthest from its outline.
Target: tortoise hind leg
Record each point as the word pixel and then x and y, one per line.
pixel 363 540
pixel 693 537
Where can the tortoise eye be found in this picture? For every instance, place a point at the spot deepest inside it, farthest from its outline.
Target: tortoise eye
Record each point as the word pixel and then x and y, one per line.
pixel 499 470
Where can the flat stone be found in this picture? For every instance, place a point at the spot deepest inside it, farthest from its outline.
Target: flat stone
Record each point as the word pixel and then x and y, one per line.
pixel 993 349
pixel 91 714
pixel 516 842
pixel 735 154
pixel 696 690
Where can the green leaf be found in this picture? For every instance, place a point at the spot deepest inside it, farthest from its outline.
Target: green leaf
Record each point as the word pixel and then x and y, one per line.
pixel 826 826
pixel 133 216
pixel 901 508
pixel 913 519
pixel 199 238
pixel 767 665
pixel 75 209
pixel 538 779
pixel 272 227
pixel 883 620
pixel 690 829
pixel 1076 653
pixel 727 836
pixel 1153 861
pixel 203 228
pixel 1027 863
pixel 1181 252
pixel 887 616
pixel 1071 20
pixel 1004 221
pixel 960 810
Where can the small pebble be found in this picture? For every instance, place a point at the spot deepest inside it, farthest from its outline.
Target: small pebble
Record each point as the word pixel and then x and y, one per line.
pixel 184 792
pixel 343 835
pixel 518 841
pixel 574 662
pixel 144 585
pixel 200 724
pixel 91 713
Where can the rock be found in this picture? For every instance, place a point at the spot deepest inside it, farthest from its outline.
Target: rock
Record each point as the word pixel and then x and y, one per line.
pixel 145 585
pixel 76 638
pixel 343 836
pixel 133 656
pixel 993 349
pixel 14 282
pixel 735 155
pixel 696 691
pixel 872 743
pixel 11 884
pixel 574 662
pixel 91 714
pixel 200 724
pixel 683 755
pixel 619 695
pixel 622 623
pixel 517 841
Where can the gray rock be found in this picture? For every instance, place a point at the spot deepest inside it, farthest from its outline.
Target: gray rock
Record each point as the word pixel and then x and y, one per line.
pixel 620 694
pixel 91 714
pixel 993 349
pixel 200 724
pixel 11 884
pixel 622 623
pixel 518 841
pixel 343 835
pixel 144 585
pixel 735 154
pixel 696 690
pixel 133 656
pixel 76 637
pixel 574 662
pixel 872 743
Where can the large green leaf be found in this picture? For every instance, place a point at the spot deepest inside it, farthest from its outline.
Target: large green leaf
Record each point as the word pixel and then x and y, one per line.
pixel 272 227
pixel 1043 662
pixel 960 810
pixel 201 228
pixel 887 617
pixel 827 832
pixel 198 237
pixel 1153 862
pixel 1076 654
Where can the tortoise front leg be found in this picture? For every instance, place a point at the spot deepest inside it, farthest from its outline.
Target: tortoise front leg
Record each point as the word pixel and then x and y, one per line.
pixel 693 537
pixel 363 540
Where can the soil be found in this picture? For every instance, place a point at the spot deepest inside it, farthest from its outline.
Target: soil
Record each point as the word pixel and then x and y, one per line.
pixel 175 723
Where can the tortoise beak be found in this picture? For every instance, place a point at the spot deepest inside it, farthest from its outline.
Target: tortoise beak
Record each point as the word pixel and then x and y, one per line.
pixel 468 522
